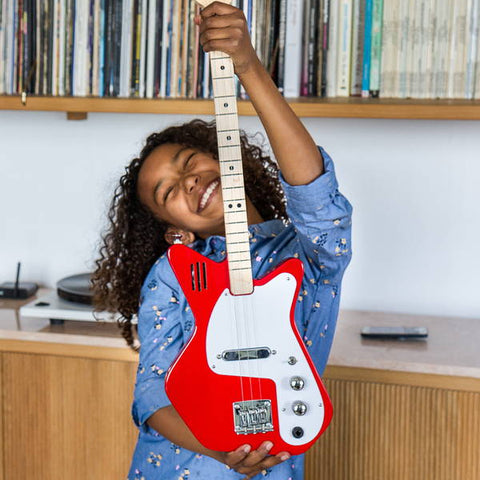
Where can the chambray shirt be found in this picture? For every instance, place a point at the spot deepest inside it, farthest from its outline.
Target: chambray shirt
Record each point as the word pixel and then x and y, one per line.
pixel 318 234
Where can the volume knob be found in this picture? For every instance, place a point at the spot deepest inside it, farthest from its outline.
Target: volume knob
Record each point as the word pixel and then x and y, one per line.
pixel 297 383
pixel 299 408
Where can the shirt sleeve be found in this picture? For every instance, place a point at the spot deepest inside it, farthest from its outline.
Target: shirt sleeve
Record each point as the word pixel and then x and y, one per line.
pixel 322 218
pixel 161 338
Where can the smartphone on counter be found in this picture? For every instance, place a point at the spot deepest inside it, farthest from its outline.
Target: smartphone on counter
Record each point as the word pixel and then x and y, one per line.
pixel 394 332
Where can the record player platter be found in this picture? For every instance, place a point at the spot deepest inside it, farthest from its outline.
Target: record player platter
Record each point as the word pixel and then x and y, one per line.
pixel 76 288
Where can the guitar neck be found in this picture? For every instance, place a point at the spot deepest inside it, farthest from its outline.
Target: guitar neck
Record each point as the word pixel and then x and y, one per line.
pixel 231 174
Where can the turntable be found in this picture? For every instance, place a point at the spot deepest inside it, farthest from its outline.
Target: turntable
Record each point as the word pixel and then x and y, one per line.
pixel 71 301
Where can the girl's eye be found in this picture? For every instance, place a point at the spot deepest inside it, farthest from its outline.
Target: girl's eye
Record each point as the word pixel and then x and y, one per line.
pixel 167 193
pixel 187 160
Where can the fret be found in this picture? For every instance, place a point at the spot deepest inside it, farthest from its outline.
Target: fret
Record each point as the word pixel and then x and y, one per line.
pixel 235 228
pixel 243 232
pixel 224 96
pixel 223 114
pixel 239 252
pixel 230 197
pixel 234 212
pixel 227 130
pixel 231 146
pixel 234 223
pixel 233 175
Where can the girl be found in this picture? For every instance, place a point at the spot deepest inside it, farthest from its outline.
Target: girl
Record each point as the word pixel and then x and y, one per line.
pixel 172 192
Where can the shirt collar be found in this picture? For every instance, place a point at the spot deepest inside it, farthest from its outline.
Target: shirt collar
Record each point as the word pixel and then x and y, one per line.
pixel 270 228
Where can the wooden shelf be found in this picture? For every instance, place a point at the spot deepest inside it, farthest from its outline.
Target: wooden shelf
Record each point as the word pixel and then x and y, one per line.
pixel 303 107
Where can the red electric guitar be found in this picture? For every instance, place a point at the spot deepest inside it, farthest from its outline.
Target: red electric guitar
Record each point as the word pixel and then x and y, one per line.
pixel 245 375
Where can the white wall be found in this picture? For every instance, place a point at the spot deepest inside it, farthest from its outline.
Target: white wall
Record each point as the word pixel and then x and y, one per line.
pixel 414 186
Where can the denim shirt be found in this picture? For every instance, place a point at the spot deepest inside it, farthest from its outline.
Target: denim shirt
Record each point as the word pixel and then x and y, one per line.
pixel 318 233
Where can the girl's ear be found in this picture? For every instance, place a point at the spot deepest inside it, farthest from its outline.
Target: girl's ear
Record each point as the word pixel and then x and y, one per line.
pixel 177 235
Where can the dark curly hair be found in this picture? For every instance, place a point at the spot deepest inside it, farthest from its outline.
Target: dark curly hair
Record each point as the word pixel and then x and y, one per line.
pixel 134 238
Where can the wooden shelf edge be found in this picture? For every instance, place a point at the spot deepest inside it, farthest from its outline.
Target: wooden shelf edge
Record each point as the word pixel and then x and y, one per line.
pixel 304 107
pixel 68 350
pixel 398 377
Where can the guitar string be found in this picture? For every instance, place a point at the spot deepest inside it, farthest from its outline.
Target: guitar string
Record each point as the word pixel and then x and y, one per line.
pixel 243 311
pixel 218 86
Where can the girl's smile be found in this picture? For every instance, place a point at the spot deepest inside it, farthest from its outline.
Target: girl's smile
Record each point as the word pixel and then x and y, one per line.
pixel 209 193
pixel 181 186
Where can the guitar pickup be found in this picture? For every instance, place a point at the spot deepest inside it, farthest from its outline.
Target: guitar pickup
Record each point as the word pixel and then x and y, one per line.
pixel 198 272
pixel 246 354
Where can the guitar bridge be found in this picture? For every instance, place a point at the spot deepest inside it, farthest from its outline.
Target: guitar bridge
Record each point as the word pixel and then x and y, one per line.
pixel 198 272
pixel 252 416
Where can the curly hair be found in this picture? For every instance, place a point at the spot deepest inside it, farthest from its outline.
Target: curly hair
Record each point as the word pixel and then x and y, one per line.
pixel 134 238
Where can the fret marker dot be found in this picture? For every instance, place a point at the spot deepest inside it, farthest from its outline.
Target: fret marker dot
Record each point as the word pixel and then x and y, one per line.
pixel 229 137
pixel 225 105
pixel 230 206
pixel 239 205
pixel 231 168
pixel 222 67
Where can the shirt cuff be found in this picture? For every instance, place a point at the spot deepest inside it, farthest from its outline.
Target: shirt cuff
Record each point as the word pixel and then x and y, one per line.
pixel 322 189
pixel 150 396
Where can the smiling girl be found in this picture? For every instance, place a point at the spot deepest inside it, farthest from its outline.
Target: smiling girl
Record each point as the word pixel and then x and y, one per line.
pixel 172 192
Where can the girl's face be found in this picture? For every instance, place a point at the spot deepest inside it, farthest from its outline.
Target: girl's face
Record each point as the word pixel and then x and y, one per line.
pixel 181 186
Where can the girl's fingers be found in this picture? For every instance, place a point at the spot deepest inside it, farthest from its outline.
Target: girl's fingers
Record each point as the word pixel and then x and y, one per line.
pixel 217 8
pixel 237 456
pixel 250 463
pixel 234 20
pixel 259 455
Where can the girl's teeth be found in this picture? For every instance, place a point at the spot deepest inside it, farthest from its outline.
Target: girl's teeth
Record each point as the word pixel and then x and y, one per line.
pixel 207 194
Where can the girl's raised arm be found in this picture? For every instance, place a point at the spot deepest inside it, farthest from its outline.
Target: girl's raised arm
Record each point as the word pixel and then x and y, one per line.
pixel 224 28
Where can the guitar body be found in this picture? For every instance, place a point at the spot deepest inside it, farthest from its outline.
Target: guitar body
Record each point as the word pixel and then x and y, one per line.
pixel 245 376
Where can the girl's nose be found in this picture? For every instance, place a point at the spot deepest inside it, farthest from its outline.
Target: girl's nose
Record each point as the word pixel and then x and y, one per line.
pixel 190 183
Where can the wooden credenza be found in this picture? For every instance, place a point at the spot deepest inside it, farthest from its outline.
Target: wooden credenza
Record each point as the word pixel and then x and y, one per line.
pixel 400 411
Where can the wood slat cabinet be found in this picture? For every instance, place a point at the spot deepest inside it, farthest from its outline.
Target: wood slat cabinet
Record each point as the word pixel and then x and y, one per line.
pixel 389 431
pixel 68 417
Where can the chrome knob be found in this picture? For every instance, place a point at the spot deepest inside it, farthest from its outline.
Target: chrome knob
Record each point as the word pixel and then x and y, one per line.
pixel 297 383
pixel 299 408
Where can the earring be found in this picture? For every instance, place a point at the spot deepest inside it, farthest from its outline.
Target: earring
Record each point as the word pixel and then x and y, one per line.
pixel 175 235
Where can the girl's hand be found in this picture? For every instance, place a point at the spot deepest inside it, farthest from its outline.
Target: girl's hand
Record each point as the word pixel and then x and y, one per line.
pixel 224 28
pixel 242 460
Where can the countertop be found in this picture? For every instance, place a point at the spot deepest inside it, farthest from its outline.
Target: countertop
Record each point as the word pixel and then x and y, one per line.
pixel 451 348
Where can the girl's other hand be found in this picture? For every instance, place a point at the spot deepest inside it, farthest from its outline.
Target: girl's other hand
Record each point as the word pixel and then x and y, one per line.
pixel 251 463
pixel 224 28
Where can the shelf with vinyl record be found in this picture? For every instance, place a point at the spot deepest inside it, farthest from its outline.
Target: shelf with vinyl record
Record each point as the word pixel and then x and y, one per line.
pixel 339 107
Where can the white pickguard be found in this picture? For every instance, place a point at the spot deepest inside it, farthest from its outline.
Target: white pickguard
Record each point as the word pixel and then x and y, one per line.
pixel 262 319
